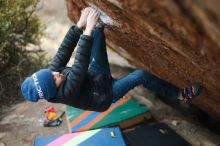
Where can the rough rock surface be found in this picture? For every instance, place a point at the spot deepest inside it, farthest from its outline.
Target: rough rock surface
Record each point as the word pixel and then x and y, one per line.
pixel 175 40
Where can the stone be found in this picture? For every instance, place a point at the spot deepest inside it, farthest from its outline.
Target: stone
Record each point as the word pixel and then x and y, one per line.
pixel 8 119
pixel 174 122
pixel 176 40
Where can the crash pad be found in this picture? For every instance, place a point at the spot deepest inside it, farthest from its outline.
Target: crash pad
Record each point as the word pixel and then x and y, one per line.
pixel 99 137
pixel 154 134
pixel 126 112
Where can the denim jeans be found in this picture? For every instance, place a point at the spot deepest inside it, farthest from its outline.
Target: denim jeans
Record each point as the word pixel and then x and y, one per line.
pixel 99 64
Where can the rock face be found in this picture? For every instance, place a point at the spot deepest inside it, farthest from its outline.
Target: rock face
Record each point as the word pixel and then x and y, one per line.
pixel 174 39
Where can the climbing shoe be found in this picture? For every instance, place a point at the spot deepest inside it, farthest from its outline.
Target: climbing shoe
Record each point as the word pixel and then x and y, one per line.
pixel 188 93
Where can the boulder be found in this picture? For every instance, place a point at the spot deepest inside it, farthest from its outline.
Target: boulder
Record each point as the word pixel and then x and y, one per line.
pixel 175 40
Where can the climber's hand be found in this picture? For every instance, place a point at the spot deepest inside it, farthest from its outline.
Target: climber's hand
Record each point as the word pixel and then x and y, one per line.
pixel 83 18
pixel 91 21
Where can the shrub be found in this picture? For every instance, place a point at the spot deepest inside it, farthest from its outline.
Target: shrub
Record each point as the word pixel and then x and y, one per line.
pixel 20 29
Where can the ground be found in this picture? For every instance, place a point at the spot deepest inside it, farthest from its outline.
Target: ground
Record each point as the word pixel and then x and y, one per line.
pixel 20 124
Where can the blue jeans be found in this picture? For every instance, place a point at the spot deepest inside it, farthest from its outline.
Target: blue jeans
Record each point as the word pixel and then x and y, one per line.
pixel 99 64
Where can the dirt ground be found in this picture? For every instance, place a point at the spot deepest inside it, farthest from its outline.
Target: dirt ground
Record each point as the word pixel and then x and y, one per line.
pixel 20 124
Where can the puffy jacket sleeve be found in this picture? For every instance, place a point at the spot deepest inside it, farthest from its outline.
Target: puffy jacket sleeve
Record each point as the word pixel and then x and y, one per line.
pixel 78 73
pixel 66 48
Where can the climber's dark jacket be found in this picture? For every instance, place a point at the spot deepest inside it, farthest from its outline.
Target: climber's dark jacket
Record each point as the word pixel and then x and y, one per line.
pixel 80 88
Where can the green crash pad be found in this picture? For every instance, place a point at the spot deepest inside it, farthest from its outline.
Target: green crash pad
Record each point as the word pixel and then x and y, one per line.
pixel 126 112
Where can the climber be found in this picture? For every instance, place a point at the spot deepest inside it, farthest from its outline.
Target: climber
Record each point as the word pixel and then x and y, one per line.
pixel 88 84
